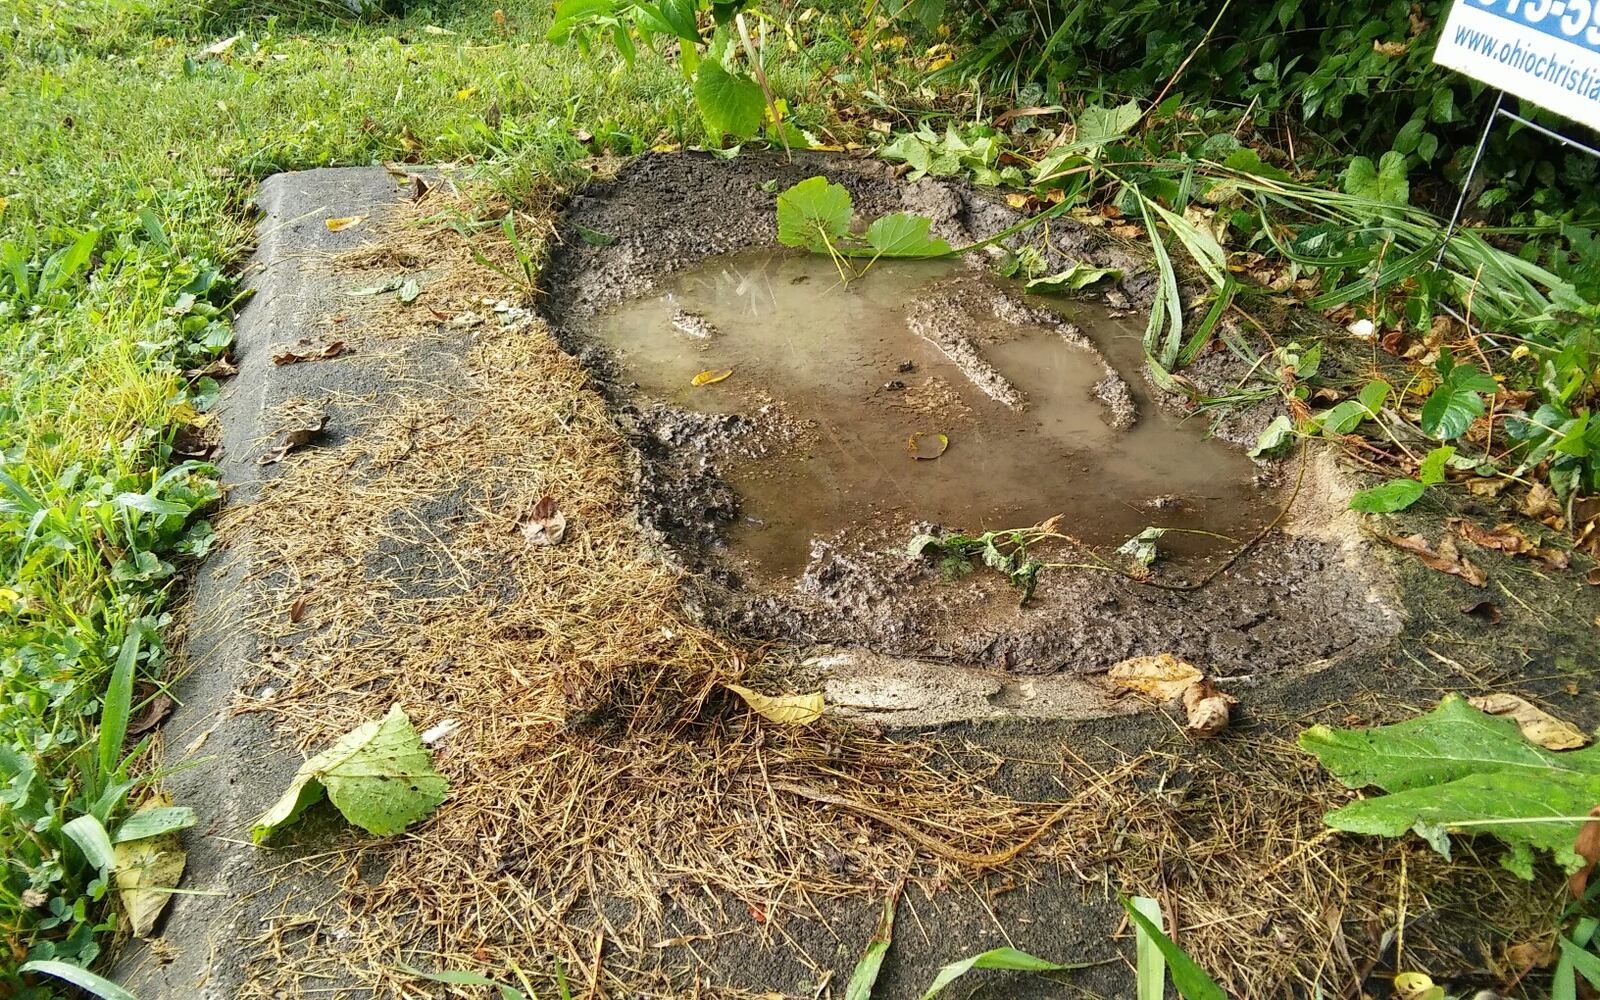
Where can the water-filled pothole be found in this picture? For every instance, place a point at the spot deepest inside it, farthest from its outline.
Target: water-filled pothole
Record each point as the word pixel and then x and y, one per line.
pixel 1034 420
pixel 788 488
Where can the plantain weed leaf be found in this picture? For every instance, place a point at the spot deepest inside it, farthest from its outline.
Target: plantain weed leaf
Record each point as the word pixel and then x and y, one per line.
pixel 1458 769
pixel 1396 494
pixel 865 975
pixel 813 213
pixel 80 977
pixel 379 775
pixel 1188 978
pixel 1005 959
pixel 1075 278
pixel 730 103
pixel 904 235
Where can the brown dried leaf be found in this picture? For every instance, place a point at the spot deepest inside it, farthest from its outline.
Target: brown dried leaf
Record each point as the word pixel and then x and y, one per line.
pixel 307 350
pixel 152 715
pixel 310 425
pixel 1487 612
pixel 1528 955
pixel 1541 502
pixel 1504 538
pixel 545 524
pixel 1162 677
pixel 1446 560
pixel 1586 846
pixel 1208 708
pixel 927 446
pixel 785 709
pixel 1536 724
pixel 1486 487
pixel 297 610
pixel 416 187
pixel 1393 50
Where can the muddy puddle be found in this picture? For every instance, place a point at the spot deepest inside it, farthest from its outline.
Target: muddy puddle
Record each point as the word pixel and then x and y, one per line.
pixel 789 488
pixel 856 385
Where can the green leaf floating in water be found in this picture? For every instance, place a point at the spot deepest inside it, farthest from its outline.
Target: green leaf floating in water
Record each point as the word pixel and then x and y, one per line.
pixel 812 213
pixel 379 775
pixel 1458 769
pixel 903 235
pixel 1074 279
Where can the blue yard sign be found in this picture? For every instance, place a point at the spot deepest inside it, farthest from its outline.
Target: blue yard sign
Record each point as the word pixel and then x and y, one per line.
pixel 1547 51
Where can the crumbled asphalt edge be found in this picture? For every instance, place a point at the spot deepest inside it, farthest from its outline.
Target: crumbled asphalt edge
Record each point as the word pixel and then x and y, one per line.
pixel 1288 603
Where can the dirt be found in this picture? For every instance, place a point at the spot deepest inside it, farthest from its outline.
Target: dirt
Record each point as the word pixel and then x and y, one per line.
pixel 789 489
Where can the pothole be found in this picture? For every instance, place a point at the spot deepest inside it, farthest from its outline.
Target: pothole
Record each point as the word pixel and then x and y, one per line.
pixel 785 418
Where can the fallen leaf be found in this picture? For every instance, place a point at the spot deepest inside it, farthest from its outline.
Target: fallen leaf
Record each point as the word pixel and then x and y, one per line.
pixel 1553 557
pixel 416 187
pixel 307 350
pixel 409 290
pixel 297 610
pixel 711 376
pixel 1416 986
pixel 1162 677
pixel 1446 560
pixel 757 913
pixel 145 870
pixel 785 709
pixel 1537 725
pixel 1541 502
pixel 545 524
pixel 220 48
pixel 308 428
pixel 927 446
pixel 1487 612
pixel 379 776
pixel 1592 578
pixel 1208 708
pixel 1504 538
pixel 1586 846
pixel 1484 487
pixel 342 223
pixel 152 715
pixel 1393 50
pixel 1528 955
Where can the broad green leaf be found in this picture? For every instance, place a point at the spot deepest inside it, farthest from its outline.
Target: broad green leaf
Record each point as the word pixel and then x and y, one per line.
pixel 1455 402
pixel 1431 470
pixel 813 213
pixel 1374 394
pixel 458 978
pixel 1396 494
pixel 1099 127
pixel 1142 547
pixel 1248 161
pixel 1075 278
pixel 1342 418
pixel 865 975
pixel 92 839
pixel 1187 977
pixel 730 103
pixel 380 776
pixel 1006 959
pixel 1274 437
pixel 910 149
pixel 82 978
pixel 904 235
pixel 1384 183
pixel 148 504
pixel 679 15
pixel 1455 768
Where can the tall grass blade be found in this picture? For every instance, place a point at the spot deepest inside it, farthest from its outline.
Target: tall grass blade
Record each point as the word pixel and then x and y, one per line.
pixel 118 703
pixel 1191 981
pixel 1150 966
pixel 1008 959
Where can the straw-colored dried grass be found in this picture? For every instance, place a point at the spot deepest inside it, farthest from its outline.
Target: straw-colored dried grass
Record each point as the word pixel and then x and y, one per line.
pixel 602 779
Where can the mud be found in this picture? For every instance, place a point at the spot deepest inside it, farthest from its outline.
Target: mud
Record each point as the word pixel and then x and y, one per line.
pixel 798 535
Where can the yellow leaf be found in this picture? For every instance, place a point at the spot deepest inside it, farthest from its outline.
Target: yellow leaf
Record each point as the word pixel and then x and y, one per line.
pixel 1536 724
pixel 786 709
pixel 783 111
pixel 465 93
pixel 3 203
pixel 341 224
pixel 711 377
pixel 1416 986
pixel 145 870
pixel 927 446
pixel 940 63
pixel 1017 200
pixel 1162 676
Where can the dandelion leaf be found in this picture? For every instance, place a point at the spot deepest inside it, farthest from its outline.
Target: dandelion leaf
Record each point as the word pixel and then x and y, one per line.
pixel 1460 770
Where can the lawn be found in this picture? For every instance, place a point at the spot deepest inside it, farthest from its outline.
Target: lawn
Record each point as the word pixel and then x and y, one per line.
pixel 135 133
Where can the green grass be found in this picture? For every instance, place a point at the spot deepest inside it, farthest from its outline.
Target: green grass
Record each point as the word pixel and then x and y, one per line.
pixel 124 140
